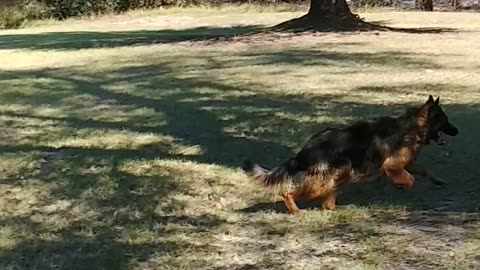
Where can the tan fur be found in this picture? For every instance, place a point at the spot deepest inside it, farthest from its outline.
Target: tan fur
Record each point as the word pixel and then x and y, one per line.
pixel 319 181
pixel 394 165
pixel 399 159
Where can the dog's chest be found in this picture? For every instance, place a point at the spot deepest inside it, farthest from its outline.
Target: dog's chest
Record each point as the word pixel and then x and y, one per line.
pixel 400 158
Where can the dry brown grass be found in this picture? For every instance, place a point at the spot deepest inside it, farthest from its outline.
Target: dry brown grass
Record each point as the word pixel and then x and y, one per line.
pixel 121 140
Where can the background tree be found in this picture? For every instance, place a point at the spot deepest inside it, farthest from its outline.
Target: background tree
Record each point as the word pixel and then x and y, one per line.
pixel 425 5
pixel 329 8
pixel 328 15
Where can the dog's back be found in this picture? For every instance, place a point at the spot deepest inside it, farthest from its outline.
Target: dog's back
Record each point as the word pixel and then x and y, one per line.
pixel 361 146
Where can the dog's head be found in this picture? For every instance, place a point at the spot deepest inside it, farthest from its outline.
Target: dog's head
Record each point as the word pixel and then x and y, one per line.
pixel 438 123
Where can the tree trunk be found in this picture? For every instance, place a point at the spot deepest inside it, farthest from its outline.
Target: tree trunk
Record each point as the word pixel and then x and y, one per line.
pixel 327 15
pixel 425 5
pixel 329 8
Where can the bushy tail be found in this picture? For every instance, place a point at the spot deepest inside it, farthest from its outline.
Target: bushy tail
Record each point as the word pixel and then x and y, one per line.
pixel 280 176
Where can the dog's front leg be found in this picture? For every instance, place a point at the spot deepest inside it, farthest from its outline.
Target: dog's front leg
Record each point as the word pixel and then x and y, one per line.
pixel 401 178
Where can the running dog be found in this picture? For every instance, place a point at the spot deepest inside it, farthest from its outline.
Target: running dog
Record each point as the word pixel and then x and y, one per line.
pixel 364 150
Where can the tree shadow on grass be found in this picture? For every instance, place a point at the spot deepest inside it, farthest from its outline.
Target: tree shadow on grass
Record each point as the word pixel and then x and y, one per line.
pixel 228 122
pixel 72 248
pixel 91 39
pixel 194 118
pixel 322 23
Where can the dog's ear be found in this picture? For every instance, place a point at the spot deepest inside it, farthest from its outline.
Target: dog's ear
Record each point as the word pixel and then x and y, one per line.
pixel 437 101
pixel 425 110
pixel 430 100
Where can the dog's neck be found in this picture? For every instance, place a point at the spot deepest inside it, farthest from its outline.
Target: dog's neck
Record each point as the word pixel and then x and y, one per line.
pixel 416 119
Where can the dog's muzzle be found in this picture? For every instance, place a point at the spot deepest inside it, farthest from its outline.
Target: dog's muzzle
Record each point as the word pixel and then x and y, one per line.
pixel 449 130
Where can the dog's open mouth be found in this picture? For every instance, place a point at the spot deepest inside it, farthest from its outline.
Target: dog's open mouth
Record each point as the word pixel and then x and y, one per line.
pixel 441 138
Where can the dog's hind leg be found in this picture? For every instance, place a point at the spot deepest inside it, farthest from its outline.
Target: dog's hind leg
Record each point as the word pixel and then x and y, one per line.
pixel 328 202
pixel 418 170
pixel 289 199
pixel 401 178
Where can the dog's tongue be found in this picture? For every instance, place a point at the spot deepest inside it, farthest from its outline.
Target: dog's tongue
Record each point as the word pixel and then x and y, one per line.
pixel 442 139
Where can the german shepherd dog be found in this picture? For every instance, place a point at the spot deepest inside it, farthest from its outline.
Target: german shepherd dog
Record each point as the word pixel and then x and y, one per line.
pixel 386 146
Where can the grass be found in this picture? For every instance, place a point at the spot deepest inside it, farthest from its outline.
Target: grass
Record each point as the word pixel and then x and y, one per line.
pixel 121 140
pixel 208 10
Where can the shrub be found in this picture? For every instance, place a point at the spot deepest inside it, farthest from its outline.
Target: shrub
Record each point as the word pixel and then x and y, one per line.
pixel 13 16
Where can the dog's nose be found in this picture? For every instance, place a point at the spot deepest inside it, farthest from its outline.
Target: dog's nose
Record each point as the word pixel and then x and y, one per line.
pixel 451 130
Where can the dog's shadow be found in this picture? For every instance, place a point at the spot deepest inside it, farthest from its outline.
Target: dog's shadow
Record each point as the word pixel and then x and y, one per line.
pixel 279 206
pixel 379 193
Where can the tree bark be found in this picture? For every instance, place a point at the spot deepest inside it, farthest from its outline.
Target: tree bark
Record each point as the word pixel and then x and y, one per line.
pixel 425 5
pixel 329 8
